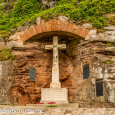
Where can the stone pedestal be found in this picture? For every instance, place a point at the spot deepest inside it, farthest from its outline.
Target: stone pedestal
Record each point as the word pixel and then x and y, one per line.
pixel 57 95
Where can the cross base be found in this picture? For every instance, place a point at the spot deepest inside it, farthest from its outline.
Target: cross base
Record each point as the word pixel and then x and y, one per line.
pixel 57 95
pixel 55 85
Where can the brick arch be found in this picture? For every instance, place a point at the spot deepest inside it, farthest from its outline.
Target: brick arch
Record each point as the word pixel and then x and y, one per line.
pixel 54 27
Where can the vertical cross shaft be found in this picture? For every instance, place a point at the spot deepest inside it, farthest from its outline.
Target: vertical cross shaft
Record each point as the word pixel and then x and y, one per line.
pixel 55 69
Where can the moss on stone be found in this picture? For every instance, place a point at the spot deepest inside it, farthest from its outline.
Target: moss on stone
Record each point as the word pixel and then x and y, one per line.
pixel 109 44
pixel 5 54
pixel 108 62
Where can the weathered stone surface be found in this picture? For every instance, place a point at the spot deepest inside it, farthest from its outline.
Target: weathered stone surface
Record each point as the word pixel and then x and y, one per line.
pixel 2 45
pixel 51 4
pixel 110 28
pixel 43 73
pixel 1 39
pixel 63 18
pixel 23 28
pixel 13 30
pixel 87 25
pixel 5 81
pixel 91 33
pixel 38 20
pixel 16 37
pixel 39 109
pixel 101 38
pixel 71 64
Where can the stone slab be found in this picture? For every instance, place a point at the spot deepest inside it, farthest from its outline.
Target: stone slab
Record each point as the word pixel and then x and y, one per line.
pixel 58 95
pixel 71 105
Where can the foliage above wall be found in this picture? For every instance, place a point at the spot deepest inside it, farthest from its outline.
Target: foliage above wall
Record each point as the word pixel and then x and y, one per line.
pixel 5 54
pixel 80 10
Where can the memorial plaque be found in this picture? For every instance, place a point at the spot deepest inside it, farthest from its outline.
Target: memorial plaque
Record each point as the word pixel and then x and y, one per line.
pixel 86 71
pixel 99 88
pixel 58 95
pixel 32 73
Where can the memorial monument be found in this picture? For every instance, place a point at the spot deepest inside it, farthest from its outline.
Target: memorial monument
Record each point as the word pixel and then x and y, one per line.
pixel 55 93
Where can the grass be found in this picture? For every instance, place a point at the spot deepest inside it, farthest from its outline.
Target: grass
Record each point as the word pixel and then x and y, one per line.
pixel 5 104
pixel 51 106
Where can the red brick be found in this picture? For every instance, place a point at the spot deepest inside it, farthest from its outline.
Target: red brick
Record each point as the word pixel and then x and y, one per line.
pixel 38 29
pixel 28 34
pixel 76 29
pixel 43 26
pixel 54 25
pixel 79 29
pixel 84 33
pixel 59 24
pixel 69 27
pixel 33 31
pixel 48 26
pixel 23 37
pixel 64 25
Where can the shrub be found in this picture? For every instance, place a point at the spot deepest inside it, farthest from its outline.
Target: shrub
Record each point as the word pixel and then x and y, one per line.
pixel 5 54
pixel 28 10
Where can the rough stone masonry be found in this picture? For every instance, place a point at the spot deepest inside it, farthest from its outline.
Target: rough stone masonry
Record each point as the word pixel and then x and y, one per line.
pixel 86 51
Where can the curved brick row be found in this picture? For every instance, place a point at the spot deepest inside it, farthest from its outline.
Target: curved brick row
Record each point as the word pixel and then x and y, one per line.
pixel 52 26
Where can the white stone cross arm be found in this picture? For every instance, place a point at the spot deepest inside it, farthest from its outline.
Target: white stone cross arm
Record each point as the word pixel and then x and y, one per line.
pixel 60 47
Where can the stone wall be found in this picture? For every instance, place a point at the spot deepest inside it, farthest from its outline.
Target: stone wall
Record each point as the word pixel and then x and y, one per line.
pixel 23 90
pixel 78 53
pixel 5 81
pixel 71 63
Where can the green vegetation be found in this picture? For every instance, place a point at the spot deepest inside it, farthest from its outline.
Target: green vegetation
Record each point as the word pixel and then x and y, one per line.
pixel 108 62
pixel 109 44
pixel 5 104
pixel 5 54
pixel 80 10
pixel 51 106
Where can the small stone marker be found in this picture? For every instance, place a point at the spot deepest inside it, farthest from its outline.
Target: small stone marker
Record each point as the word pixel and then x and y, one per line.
pixel 55 93
pixel 32 73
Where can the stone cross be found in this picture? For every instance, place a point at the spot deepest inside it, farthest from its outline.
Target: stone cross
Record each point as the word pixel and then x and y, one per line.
pixel 55 69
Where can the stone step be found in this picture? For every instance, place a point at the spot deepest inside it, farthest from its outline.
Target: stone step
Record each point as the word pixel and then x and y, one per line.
pixel 35 110
pixel 71 105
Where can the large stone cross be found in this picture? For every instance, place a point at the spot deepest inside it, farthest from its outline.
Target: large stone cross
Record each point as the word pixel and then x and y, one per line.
pixel 55 69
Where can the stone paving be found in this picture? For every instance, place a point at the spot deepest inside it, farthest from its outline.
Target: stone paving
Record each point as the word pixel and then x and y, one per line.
pixel 55 110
